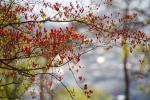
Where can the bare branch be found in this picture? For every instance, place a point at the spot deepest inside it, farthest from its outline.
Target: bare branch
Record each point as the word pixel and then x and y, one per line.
pixel 51 74
pixel 8 84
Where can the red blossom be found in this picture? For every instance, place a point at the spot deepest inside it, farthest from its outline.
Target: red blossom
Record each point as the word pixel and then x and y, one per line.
pixel 49 84
pixel 78 57
pixel 85 86
pixel 26 49
pixel 75 35
pixel 70 58
pixel 80 78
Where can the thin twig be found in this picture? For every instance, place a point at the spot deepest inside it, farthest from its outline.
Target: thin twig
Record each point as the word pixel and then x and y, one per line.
pixel 51 74
pixel 9 84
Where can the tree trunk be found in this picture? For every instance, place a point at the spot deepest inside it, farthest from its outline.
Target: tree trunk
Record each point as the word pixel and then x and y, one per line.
pixel 41 87
pixel 126 78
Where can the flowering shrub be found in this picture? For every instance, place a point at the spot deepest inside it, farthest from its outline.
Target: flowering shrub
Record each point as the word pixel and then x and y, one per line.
pixel 24 41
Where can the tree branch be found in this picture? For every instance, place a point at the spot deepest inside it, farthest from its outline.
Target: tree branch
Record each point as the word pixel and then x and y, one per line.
pixel 51 74
pixel 9 84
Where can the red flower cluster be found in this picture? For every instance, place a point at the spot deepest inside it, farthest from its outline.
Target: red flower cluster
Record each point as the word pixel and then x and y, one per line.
pixel 26 49
pixel 75 35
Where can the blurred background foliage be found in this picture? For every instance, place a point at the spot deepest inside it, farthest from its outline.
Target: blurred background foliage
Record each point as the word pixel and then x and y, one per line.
pixel 62 94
